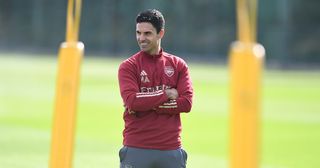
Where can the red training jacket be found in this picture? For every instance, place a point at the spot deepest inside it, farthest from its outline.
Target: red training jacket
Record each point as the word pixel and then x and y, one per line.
pixel 156 122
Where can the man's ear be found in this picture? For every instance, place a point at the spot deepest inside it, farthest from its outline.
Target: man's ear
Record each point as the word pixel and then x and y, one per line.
pixel 161 33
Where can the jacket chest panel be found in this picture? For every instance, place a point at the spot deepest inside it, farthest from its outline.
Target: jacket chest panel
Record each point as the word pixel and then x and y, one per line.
pixel 157 74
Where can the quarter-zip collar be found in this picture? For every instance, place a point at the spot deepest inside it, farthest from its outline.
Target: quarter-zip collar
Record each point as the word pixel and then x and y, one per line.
pixel 152 56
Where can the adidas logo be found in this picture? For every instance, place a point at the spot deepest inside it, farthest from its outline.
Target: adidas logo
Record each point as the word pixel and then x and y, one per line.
pixel 144 77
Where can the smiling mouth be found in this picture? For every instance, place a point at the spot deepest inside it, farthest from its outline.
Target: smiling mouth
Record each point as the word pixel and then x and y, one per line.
pixel 143 45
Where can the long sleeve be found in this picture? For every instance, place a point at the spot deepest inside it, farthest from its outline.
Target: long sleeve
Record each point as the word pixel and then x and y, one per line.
pixel 130 92
pixel 155 121
pixel 185 90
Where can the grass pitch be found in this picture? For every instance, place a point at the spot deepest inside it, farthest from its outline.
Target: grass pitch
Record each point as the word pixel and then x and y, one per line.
pixel 290 118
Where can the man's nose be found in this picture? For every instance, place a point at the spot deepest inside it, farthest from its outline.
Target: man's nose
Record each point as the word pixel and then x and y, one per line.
pixel 142 37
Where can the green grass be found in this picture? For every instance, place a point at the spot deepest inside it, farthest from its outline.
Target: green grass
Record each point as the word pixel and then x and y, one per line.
pixel 290 115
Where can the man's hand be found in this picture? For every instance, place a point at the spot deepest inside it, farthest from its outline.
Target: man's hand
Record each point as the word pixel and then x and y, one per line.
pixel 131 112
pixel 172 93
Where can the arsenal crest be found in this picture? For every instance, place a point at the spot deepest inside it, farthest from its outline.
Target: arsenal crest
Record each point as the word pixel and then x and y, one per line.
pixel 168 70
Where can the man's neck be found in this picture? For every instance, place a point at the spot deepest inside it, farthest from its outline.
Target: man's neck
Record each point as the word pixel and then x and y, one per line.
pixel 155 52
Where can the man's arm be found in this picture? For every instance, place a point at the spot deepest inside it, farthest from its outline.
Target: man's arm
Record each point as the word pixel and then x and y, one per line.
pixel 182 100
pixel 133 99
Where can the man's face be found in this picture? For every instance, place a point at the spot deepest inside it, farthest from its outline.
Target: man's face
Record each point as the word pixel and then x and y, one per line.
pixel 147 37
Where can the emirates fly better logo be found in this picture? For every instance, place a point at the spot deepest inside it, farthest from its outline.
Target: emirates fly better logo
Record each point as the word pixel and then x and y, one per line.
pixel 168 70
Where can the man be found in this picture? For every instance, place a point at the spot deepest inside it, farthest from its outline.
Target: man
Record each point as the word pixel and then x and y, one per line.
pixel 155 87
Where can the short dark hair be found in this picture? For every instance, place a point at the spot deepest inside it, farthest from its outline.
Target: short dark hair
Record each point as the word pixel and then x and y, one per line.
pixel 152 16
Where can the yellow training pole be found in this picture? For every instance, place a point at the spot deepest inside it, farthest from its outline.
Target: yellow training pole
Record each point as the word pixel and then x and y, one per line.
pixel 245 65
pixel 246 62
pixel 70 56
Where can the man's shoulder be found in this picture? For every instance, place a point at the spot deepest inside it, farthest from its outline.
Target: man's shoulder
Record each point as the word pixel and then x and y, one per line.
pixel 173 57
pixel 169 55
pixel 131 61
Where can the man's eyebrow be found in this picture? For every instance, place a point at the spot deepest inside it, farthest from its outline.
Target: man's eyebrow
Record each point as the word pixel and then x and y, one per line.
pixel 149 31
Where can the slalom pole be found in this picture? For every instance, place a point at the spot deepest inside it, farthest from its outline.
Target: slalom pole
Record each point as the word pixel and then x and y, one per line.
pixel 245 63
pixel 67 86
